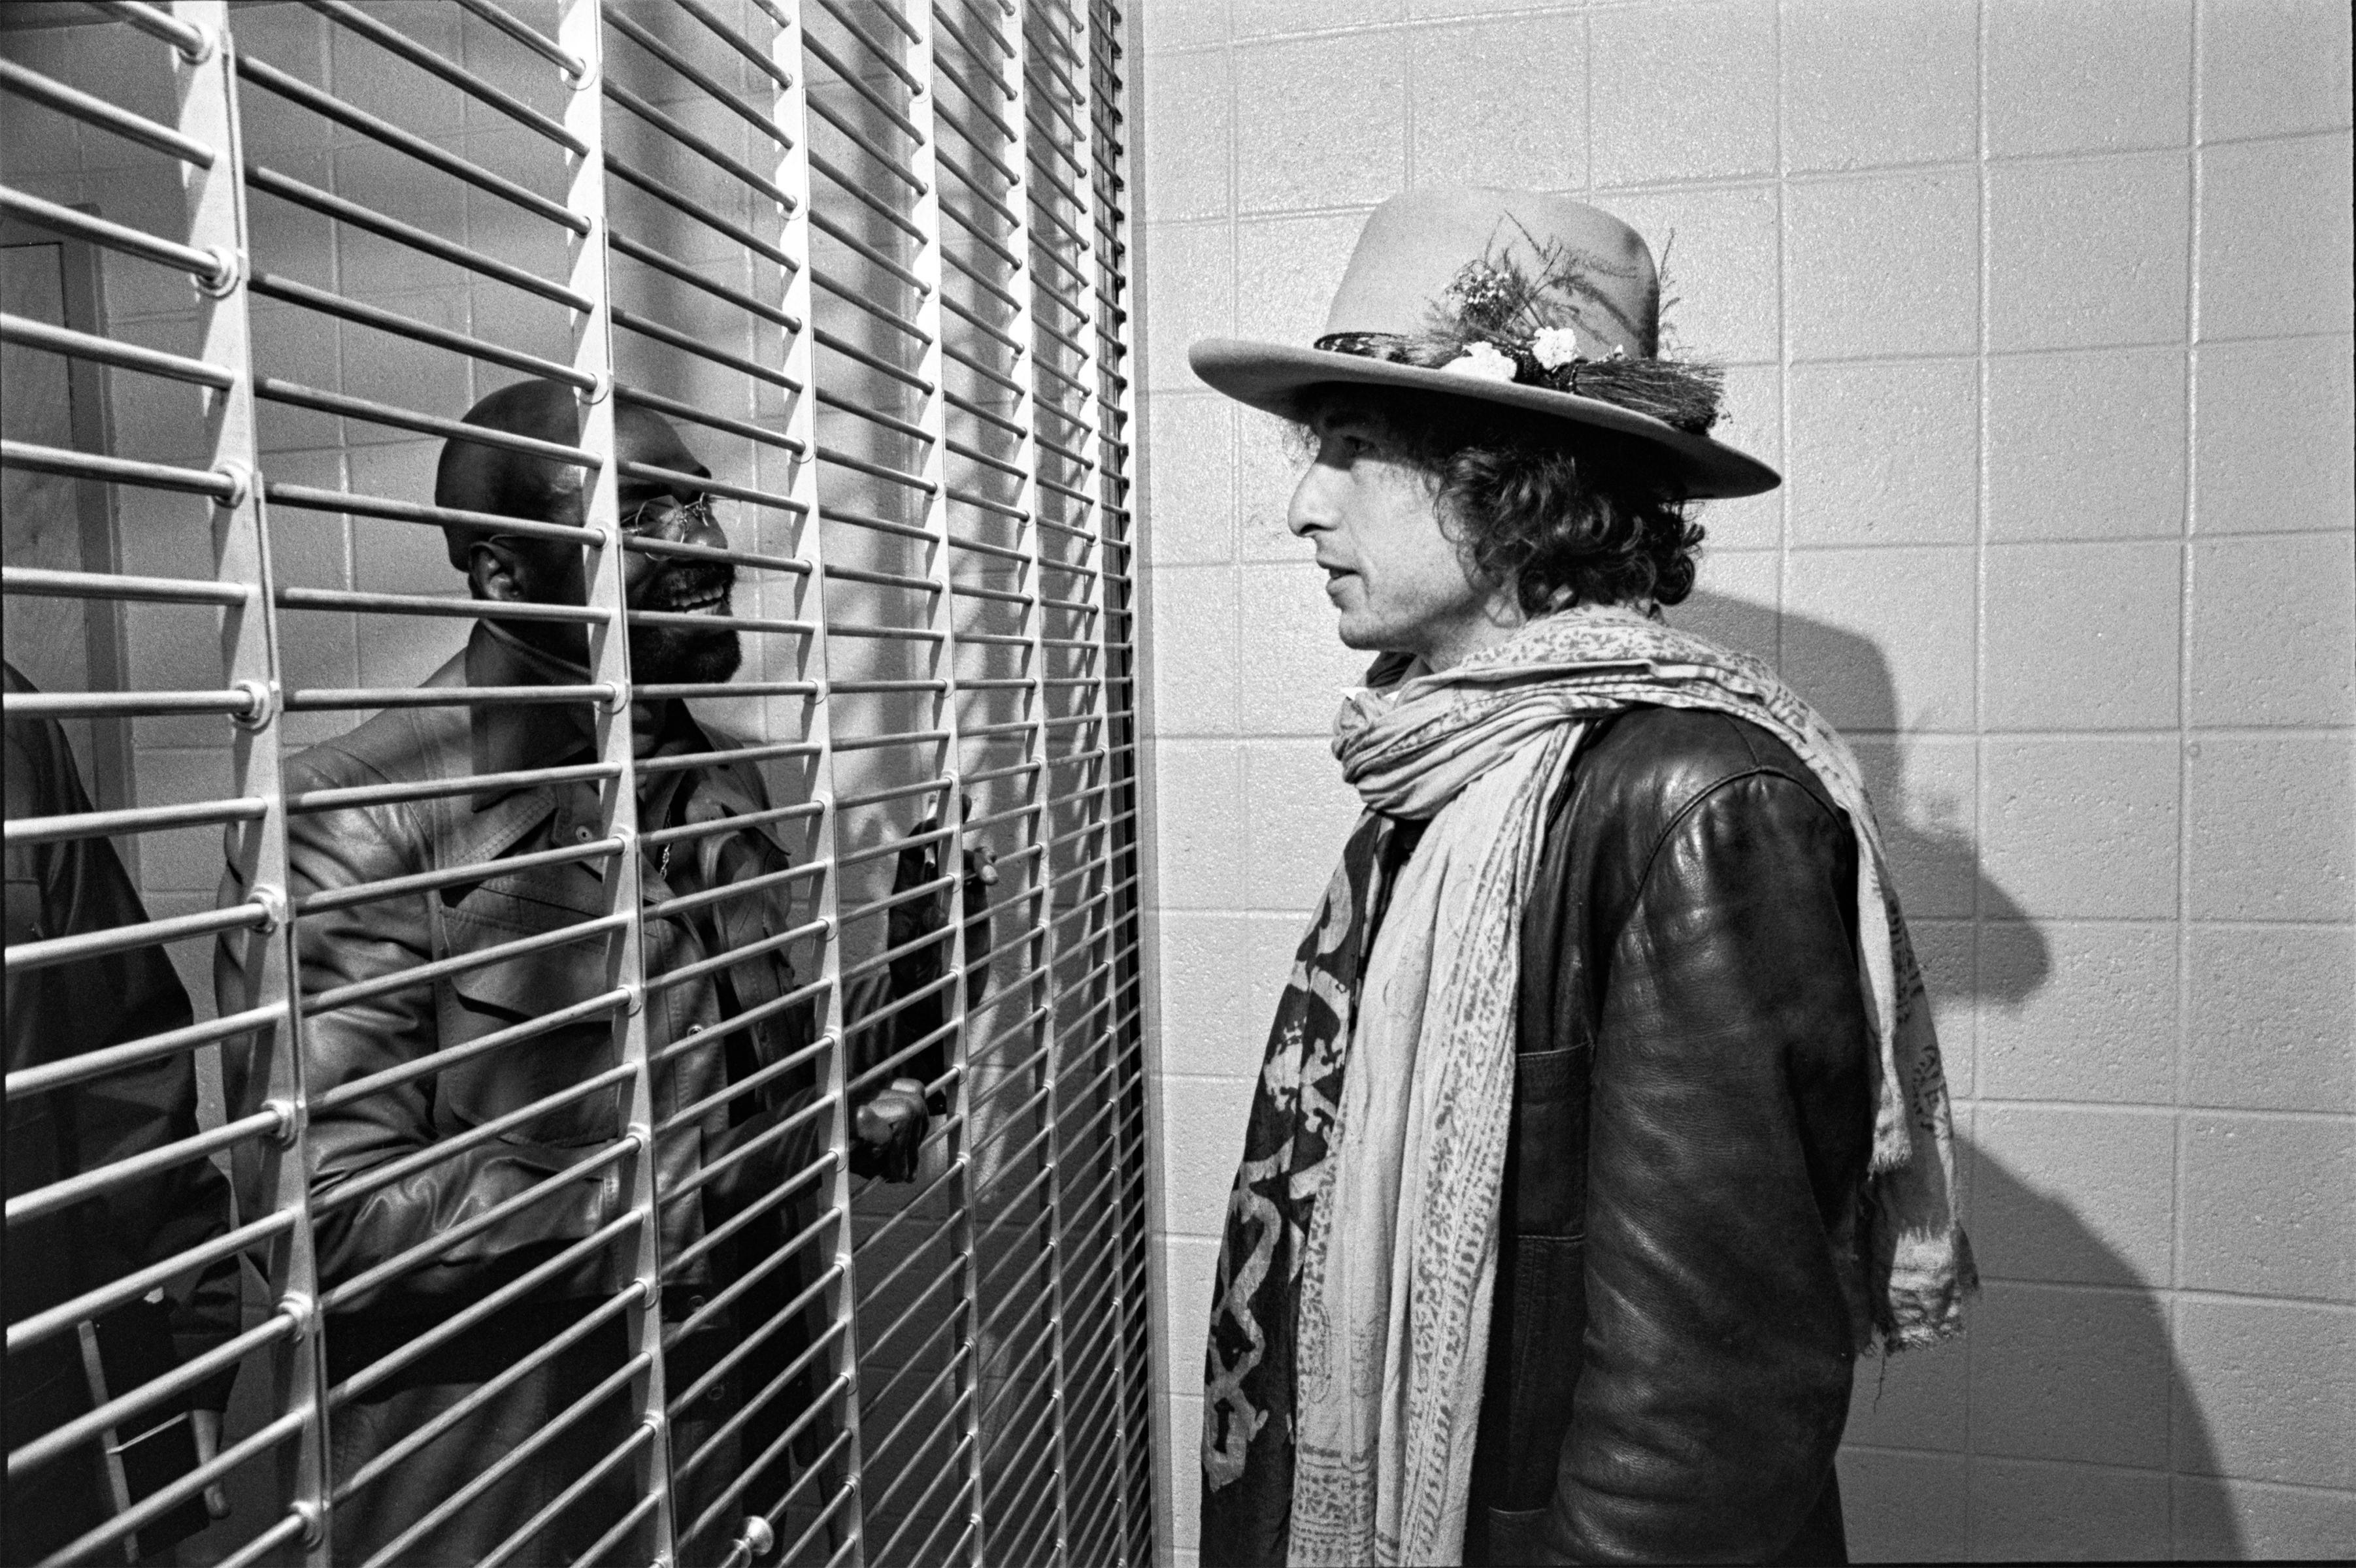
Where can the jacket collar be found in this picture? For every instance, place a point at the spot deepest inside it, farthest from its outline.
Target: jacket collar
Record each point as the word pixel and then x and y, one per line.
pixel 513 737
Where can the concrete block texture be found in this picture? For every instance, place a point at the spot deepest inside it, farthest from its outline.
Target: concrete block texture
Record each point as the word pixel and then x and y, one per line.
pixel 2042 308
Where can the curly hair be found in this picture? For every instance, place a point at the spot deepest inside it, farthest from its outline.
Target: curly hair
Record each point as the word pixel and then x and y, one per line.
pixel 1565 513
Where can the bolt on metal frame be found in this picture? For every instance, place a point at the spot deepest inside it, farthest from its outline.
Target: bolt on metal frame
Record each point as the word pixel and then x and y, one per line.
pixel 911 213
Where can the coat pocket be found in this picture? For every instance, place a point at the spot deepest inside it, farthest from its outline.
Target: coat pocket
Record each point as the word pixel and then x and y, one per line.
pixel 1550 1141
pixel 499 995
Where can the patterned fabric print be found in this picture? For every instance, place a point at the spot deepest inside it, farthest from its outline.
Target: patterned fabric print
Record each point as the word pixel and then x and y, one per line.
pixel 1248 1404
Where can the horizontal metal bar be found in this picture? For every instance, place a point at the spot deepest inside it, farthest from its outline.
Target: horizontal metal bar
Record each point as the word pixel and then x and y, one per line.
pixel 746 1279
pixel 746 1346
pixel 271 182
pixel 294 89
pixel 818 1522
pixel 376 412
pixel 480 1310
pixel 639 1437
pixel 853 187
pixel 24 958
pixel 641 398
pixel 710 486
pixel 742 820
pixel 55 340
pixel 377 1178
pixel 619 20
pixel 736 168
pixel 875 362
pixel 882 578
pixel 333 699
pixel 946 1420
pixel 987 59
pixel 979 102
pixel 338 598
pixel 102 1299
pixel 115 470
pixel 46 582
pixel 344 799
pixel 727 33
pixel 60 1440
pixel 399 43
pixel 874 46
pixel 672 266
pixel 858 247
pixel 193 42
pixel 897 321
pixel 450 1056
pixel 132 819
pixel 128 704
pixel 89 1064
pixel 530 37
pixel 514 1458
pixel 959 1506
pixel 977 188
pixel 969 407
pixel 335 996
pixel 442 1240
pixel 309 498
pixel 208 266
pixel 270 286
pixel 671 197
pixel 876 101
pixel 776 1197
pixel 707 1173
pixel 77 104
pixel 359 1480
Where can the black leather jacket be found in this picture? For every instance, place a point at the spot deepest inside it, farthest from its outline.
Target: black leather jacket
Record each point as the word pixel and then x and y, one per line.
pixel 1671 1353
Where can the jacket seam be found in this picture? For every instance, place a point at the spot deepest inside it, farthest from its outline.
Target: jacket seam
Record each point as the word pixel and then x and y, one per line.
pixel 1701 798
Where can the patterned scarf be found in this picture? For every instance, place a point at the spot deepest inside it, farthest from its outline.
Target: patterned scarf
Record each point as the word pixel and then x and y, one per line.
pixel 1349 1330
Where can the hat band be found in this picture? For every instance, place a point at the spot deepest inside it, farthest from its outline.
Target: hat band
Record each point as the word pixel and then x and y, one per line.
pixel 1683 396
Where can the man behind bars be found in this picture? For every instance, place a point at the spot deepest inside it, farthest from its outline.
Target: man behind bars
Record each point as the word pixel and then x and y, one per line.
pixel 414 1161
pixel 1602 1123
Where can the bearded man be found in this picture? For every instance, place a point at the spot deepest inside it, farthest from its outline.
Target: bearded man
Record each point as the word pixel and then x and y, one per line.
pixel 1603 1125
pixel 740 1124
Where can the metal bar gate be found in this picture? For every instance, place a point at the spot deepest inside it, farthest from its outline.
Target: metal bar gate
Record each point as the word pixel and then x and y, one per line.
pixel 443 1016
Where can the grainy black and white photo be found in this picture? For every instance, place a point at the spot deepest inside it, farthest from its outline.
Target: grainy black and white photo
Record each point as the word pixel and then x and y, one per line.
pixel 1178 784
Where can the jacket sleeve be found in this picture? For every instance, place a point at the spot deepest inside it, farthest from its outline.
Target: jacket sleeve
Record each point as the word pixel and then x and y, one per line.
pixel 72 887
pixel 352 1141
pixel 1717 1353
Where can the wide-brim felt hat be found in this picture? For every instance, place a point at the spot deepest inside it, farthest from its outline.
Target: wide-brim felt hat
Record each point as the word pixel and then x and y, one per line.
pixel 1587 321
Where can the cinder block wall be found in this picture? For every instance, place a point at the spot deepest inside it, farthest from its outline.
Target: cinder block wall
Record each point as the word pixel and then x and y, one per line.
pixel 2043 307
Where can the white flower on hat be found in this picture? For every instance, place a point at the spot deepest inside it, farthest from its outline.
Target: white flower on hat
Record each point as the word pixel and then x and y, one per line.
pixel 1555 347
pixel 1483 362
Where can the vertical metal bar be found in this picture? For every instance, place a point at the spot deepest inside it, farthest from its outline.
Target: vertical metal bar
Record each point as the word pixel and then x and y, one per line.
pixel 790 113
pixel 933 420
pixel 1046 989
pixel 249 658
pixel 578 31
pixel 1107 426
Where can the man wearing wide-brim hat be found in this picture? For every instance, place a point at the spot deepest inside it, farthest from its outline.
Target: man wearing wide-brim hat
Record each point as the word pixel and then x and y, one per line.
pixel 1601 1126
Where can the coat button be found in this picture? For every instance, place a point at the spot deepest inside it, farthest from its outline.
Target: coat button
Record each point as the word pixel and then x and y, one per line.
pixel 583 834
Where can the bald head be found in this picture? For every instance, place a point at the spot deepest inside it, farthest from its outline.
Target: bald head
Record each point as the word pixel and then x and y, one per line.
pixel 474 477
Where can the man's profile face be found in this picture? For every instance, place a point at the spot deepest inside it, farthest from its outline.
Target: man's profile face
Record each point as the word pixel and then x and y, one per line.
pixel 1395 577
pixel 549 572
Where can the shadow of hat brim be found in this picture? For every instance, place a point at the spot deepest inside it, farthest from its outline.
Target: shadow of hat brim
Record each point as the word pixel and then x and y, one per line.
pixel 1270 377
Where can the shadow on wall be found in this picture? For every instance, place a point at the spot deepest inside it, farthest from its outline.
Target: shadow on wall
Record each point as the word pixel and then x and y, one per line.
pixel 2068 1357
pixel 1937 868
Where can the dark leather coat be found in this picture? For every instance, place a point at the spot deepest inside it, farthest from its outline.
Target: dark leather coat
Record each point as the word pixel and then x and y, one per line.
pixel 1670 1361
pixel 717 1153
pixel 61 889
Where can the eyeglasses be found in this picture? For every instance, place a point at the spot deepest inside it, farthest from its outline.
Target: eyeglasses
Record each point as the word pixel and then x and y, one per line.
pixel 664 511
